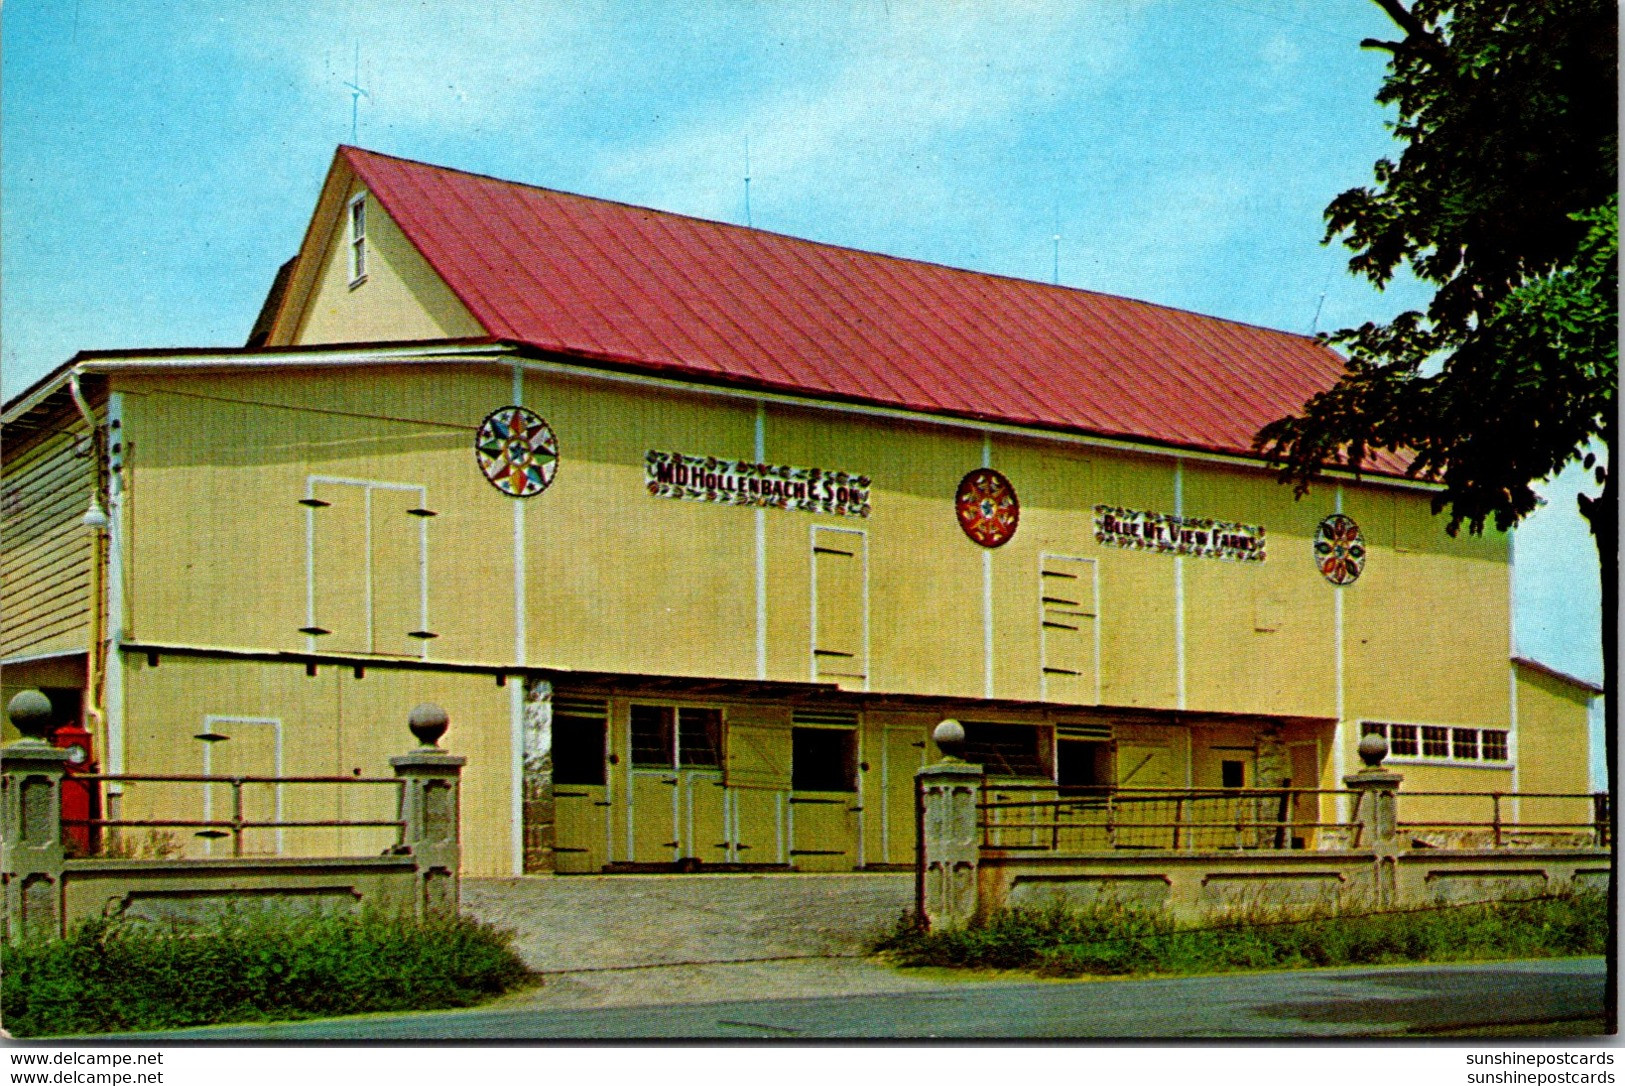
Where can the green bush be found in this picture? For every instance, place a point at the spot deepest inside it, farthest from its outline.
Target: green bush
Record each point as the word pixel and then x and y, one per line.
pixel 1112 939
pixel 110 975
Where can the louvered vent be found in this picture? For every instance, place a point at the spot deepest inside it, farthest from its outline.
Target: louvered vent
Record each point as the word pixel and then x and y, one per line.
pixel 563 706
pixel 828 719
pixel 1097 732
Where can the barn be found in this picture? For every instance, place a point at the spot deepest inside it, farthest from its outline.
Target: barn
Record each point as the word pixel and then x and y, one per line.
pixel 697 530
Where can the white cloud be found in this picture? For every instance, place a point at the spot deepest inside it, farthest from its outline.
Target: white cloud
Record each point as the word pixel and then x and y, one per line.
pixel 446 65
pixel 906 79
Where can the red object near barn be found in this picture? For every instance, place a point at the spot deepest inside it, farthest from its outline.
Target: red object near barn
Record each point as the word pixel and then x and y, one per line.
pixel 81 799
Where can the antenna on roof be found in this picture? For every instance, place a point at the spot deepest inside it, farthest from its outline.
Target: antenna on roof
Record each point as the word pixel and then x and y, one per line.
pixel 747 181
pixel 1055 270
pixel 1314 325
pixel 356 94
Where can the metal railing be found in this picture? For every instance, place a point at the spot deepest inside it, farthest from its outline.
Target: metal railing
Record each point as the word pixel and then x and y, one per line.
pixel 1190 819
pixel 1042 817
pixel 238 823
pixel 1506 824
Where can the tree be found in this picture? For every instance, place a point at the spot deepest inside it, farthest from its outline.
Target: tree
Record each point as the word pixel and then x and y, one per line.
pixel 1504 199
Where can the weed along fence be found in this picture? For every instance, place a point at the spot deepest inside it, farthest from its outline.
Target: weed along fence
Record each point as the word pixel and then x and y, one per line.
pixel 986 844
pixel 399 852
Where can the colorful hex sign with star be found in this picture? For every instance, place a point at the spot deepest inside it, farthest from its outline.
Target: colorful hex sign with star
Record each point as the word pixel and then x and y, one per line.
pixel 987 507
pixel 518 451
pixel 1339 549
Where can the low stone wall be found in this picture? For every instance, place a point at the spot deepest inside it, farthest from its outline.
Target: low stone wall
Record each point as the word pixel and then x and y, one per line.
pixel 1188 883
pixel 188 891
pixel 1458 875
pixel 1196 884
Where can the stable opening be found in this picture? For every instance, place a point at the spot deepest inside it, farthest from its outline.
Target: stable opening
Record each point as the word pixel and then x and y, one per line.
pixel 1007 750
pixel 1232 774
pixel 823 760
pixel 1080 764
pixel 578 750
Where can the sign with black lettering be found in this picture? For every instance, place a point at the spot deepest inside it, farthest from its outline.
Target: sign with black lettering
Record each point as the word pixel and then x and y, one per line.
pixel 1166 533
pixel 744 482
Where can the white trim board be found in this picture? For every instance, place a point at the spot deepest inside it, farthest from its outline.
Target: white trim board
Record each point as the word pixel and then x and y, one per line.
pixel 501 354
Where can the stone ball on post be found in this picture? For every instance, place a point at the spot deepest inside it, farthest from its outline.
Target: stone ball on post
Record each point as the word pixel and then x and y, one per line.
pixel 428 722
pixel 949 737
pixel 31 714
pixel 1373 749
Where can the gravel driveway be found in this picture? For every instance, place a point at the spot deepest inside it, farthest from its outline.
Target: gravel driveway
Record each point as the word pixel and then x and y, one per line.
pixel 571 922
pixel 635 940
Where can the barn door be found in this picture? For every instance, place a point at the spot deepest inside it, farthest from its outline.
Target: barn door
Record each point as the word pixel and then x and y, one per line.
pixel 1068 629
pixel 840 607
pixel 1143 763
pixel 904 756
pixel 242 747
pixel 757 775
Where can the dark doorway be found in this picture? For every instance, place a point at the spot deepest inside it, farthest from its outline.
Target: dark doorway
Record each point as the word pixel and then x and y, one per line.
pixel 824 760
pixel 1082 764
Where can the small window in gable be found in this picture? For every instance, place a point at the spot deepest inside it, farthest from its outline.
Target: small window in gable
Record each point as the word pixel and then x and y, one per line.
pixel 358 239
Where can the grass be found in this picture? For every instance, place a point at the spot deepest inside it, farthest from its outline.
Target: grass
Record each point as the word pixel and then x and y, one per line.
pixel 1111 939
pixel 114 976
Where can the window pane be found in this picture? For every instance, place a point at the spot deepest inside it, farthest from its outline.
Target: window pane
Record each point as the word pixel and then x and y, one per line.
pixel 1006 750
pixel 1495 745
pixel 823 760
pixel 1402 740
pixel 699 735
pixel 1464 743
pixel 1372 727
pixel 652 735
pixel 1435 742
pixel 578 750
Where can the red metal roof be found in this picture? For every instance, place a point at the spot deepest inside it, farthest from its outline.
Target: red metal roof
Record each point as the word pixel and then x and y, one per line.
pixel 668 293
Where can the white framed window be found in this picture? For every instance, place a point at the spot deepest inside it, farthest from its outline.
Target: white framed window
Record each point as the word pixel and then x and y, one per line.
pixel 1441 743
pixel 358 238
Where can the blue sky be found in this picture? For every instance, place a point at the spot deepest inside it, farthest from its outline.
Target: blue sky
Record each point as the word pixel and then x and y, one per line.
pixel 160 159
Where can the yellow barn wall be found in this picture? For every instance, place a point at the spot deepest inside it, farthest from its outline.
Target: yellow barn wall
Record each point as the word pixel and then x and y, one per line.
pixel 1139 661
pixel 1259 636
pixel 617 580
pixel 45 552
pixel 1470 788
pixel 1554 744
pixel 213 477
pixel 401 297
pixel 1427 625
pixel 925 584
pixel 332 723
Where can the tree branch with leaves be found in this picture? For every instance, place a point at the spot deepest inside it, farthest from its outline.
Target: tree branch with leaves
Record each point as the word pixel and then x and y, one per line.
pixel 1504 200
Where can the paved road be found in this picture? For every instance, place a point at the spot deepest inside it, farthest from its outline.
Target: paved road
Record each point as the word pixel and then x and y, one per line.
pixel 1320 1003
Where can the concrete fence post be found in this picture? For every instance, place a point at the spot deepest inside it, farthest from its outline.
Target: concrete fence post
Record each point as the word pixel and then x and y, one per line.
pixel 429 808
pixel 31 854
pixel 1376 811
pixel 952 841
